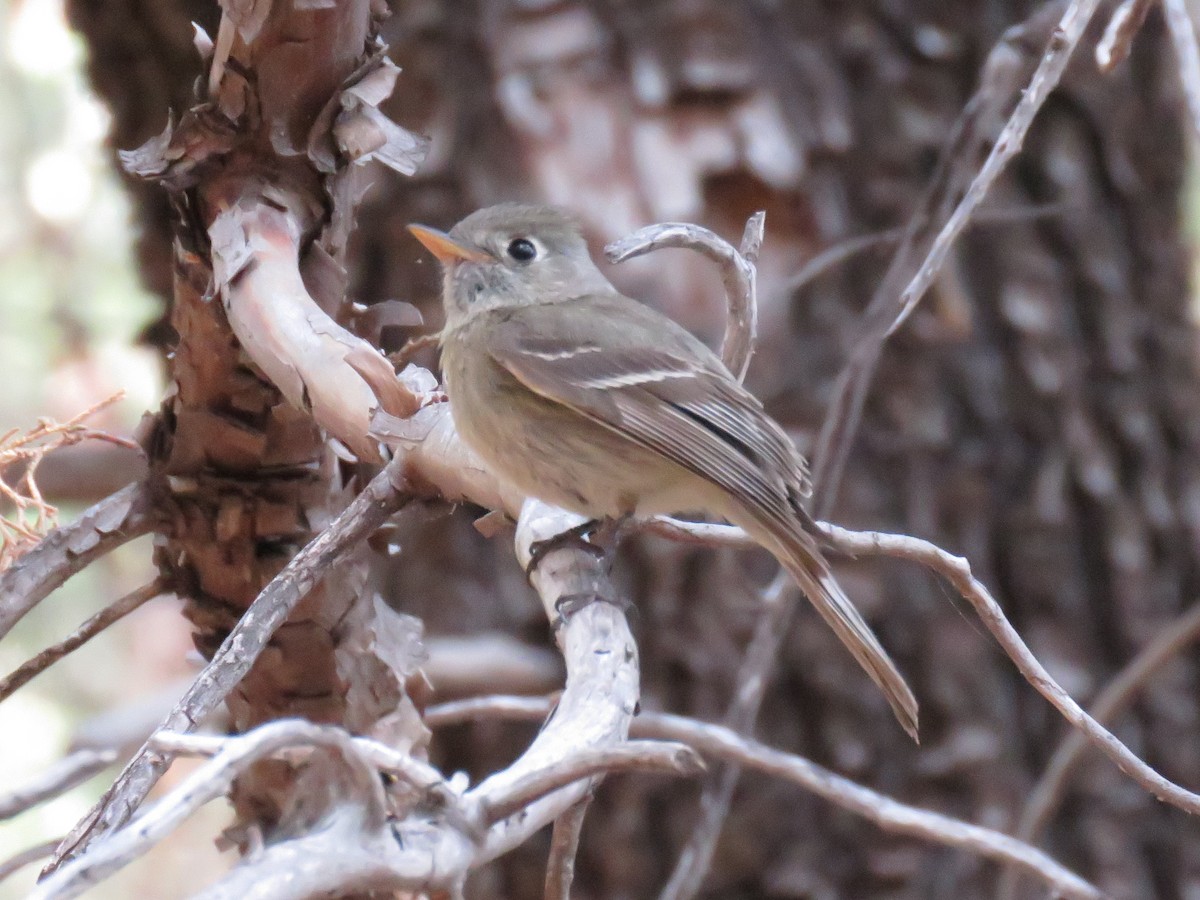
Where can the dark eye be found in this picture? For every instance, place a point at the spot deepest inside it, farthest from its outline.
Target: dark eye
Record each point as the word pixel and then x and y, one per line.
pixel 522 250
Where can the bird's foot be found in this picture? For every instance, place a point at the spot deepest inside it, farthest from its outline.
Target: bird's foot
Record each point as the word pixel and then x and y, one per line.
pixel 569 604
pixel 599 537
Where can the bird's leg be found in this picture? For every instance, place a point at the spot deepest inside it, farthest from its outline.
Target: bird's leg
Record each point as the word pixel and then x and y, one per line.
pixel 573 537
pixel 599 537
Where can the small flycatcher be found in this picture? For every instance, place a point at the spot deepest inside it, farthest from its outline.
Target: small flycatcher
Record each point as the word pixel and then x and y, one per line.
pixel 594 402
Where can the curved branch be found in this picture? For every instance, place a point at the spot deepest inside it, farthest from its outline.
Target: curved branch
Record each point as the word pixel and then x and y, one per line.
pixel 738 274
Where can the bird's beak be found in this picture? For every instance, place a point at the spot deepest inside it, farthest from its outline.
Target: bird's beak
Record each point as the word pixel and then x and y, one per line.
pixel 446 248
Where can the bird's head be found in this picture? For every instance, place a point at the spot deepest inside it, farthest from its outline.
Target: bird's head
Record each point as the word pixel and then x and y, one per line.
pixel 511 255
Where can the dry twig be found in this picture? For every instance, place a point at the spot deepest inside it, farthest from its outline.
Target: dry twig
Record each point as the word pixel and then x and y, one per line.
pixel 957 571
pixel 65 774
pixel 1122 28
pixel 26 857
pixel 738 274
pixel 31 517
pixel 1110 703
pixel 84 633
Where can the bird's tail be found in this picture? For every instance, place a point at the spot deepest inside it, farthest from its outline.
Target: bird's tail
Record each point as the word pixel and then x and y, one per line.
pixel 798 552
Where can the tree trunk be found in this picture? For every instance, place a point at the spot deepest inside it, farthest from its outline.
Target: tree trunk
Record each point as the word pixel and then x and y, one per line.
pixel 1040 414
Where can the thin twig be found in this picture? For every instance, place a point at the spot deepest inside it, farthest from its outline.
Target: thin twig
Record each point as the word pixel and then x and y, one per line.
pixel 1122 28
pixel 297 735
pixel 1183 36
pixel 1110 703
pixel 113 521
pixel 753 677
pixel 838 253
pixel 84 633
pixel 382 496
pixel 738 274
pixel 65 774
pixel 957 571
pixel 564 846
pixel 26 857
pixel 722 743
pixel 890 307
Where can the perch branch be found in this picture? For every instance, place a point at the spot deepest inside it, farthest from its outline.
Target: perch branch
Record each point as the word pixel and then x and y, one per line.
pixel 722 743
pixel 382 496
pixel 114 521
pixel 84 633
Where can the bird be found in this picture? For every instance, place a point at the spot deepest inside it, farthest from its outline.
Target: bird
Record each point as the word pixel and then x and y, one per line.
pixel 595 402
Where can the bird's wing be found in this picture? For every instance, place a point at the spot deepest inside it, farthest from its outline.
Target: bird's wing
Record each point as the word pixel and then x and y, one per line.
pixel 671 396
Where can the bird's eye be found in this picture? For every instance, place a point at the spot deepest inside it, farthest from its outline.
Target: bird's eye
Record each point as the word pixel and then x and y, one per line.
pixel 522 250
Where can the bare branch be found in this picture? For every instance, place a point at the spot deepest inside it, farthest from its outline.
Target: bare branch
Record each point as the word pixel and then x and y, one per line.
pixel 564 846
pixel 382 496
pixel 1122 28
pixel 84 633
pixel 1183 36
pixel 722 743
pixel 114 521
pixel 65 774
pixel 738 274
pixel 891 306
pixel 1110 703
pixel 299 735
pixel 957 571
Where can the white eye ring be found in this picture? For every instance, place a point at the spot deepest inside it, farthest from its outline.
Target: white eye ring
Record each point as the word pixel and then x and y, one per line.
pixel 523 250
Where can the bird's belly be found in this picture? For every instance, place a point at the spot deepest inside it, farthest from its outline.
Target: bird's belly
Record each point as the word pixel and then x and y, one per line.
pixel 563 458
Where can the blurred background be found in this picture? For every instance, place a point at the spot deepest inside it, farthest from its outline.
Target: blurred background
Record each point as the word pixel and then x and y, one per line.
pixel 72 307
pixel 1040 414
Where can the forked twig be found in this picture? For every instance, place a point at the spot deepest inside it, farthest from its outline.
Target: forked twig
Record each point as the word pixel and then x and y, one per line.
pixel 382 496
pixel 722 743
